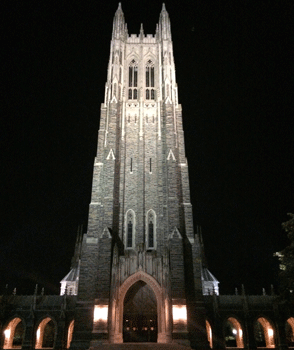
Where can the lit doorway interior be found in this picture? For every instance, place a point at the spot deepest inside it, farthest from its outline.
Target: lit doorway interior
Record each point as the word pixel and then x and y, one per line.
pixel 140 314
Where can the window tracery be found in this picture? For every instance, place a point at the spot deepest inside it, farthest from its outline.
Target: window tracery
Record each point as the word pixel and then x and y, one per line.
pixel 130 229
pixel 150 92
pixel 133 80
pixel 151 230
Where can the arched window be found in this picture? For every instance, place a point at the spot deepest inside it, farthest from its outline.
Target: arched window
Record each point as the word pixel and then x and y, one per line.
pixel 264 333
pixel 152 94
pixel 233 333
pixel 130 229
pixel 150 80
pixel 133 80
pixel 45 335
pixel 13 334
pixel 151 229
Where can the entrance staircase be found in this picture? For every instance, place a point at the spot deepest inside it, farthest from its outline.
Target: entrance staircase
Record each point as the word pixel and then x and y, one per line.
pixel 140 346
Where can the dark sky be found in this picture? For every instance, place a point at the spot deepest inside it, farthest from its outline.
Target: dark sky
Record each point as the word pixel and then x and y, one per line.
pixel 234 62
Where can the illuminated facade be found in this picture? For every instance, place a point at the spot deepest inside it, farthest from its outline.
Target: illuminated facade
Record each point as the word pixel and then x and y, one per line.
pixel 137 274
pixel 140 247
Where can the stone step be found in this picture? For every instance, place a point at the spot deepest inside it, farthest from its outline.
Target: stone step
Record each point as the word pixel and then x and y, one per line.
pixel 140 346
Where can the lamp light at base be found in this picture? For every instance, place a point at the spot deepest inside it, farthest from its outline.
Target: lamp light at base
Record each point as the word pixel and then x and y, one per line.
pixel 180 313
pixel 100 313
pixel 7 333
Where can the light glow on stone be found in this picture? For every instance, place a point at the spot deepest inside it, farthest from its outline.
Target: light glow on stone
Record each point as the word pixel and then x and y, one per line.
pixel 100 313
pixel 38 333
pixel 7 333
pixel 270 332
pixel 234 331
pixel 179 313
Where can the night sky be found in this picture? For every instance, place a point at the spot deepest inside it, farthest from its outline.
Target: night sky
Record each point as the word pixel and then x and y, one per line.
pixel 234 65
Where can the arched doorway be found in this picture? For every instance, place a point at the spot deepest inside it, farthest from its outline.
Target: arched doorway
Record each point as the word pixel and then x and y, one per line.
pixel 163 308
pixel 140 314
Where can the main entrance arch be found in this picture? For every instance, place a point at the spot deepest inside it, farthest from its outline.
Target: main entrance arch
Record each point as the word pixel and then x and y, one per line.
pixel 134 289
pixel 140 314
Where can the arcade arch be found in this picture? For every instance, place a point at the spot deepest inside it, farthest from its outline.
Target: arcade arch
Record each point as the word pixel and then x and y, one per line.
pixel 290 331
pixel 233 333
pixel 13 334
pixel 264 333
pixel 45 335
pixel 209 333
pixel 70 333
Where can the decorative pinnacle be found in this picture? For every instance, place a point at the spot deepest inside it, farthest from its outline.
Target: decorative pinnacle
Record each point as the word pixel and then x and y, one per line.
pixel 163 7
pixel 119 9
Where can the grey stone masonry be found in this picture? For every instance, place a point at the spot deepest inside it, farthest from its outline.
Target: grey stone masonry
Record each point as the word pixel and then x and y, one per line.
pixel 140 193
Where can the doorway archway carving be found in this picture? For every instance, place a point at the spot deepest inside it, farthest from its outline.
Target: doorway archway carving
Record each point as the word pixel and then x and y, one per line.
pixel 163 308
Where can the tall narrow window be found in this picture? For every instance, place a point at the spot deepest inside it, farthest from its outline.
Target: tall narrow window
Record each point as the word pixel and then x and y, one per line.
pixel 131 76
pixel 150 80
pixel 150 165
pixel 151 229
pixel 133 80
pixel 152 94
pixel 131 165
pixel 130 234
pixel 130 225
pixel 151 235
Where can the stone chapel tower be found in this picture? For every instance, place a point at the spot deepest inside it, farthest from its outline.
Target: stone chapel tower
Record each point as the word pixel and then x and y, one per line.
pixel 140 265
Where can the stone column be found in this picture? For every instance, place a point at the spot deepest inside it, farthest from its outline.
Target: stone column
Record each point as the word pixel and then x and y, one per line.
pixel 60 335
pixel 29 336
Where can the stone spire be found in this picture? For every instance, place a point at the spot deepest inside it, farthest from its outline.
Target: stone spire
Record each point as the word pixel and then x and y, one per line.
pixel 164 24
pixel 141 32
pixel 118 31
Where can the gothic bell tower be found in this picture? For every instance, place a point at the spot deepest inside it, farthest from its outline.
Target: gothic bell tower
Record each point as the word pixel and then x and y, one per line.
pixel 140 265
